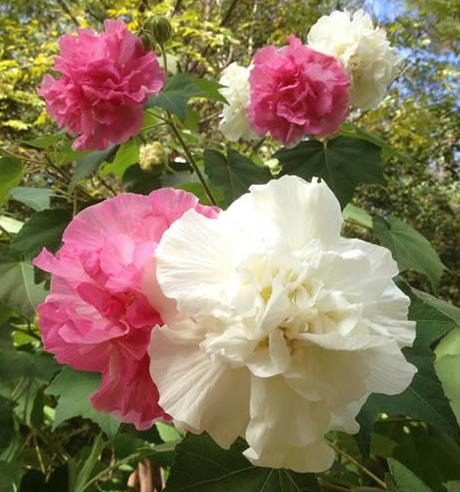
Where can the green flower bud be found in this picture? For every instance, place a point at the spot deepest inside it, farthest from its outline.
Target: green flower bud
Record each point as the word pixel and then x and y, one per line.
pixel 151 155
pixel 158 28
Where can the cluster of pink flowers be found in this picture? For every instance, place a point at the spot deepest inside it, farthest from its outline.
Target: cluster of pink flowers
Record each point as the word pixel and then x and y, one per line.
pixel 100 313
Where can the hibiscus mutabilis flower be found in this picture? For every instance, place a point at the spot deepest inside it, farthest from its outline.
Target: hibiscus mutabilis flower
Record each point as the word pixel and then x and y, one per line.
pixel 104 83
pixel 296 91
pixel 283 328
pixel 362 49
pixel 104 300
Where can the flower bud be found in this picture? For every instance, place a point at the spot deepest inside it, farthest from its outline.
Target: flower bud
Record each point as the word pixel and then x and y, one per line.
pixel 151 155
pixel 157 29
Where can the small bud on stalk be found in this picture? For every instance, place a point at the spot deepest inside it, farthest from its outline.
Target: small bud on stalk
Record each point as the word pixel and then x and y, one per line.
pixel 156 30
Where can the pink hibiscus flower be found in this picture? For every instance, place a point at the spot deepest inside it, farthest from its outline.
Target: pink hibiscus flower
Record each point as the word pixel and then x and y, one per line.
pixel 105 80
pixel 101 308
pixel 296 91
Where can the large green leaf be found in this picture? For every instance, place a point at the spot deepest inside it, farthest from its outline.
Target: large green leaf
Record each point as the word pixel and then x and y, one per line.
pixel 424 399
pixel 23 377
pixel 175 95
pixel 42 230
pixel 36 198
pixel 404 479
pixel 202 466
pixel 179 89
pixel 127 155
pixel 73 389
pixel 343 162
pixel 17 287
pixel 135 180
pixel 85 166
pixel 234 173
pixel 410 249
pixel 448 368
pixel 11 171
pixel 350 129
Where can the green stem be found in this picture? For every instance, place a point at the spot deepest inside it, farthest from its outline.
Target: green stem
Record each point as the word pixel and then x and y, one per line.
pixel 191 159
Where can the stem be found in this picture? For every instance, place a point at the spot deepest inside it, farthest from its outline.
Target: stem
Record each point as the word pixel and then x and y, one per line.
pixel 165 60
pixel 191 159
pixel 359 465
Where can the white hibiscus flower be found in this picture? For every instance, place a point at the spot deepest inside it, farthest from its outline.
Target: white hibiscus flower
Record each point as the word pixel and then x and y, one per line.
pixel 234 123
pixel 362 49
pixel 284 326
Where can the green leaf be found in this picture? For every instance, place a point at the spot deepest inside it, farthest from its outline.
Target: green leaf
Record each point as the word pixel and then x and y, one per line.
pixel 85 166
pixel 126 156
pixel 358 215
pixel 350 129
pixel 73 389
pixel 234 173
pixel 11 171
pixel 446 308
pixel 7 430
pixel 10 476
pixel 410 249
pixel 36 198
pixel 424 399
pixel 135 180
pixel 343 162
pixel 202 466
pixel 175 95
pixel 24 375
pixel 86 471
pixel 42 230
pixel 45 141
pixel 209 89
pixel 168 432
pixel 10 225
pixel 17 287
pixel 404 479
pixel 448 368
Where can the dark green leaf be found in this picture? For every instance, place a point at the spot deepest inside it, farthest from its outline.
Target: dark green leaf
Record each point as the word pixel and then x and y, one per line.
pixel 351 130
pixel 424 399
pixel 410 249
pixel 202 466
pixel 85 166
pixel 446 308
pixel 42 230
pixel 404 479
pixel 86 471
pixel 73 389
pixel 10 476
pixel 234 173
pixel 11 171
pixel 135 180
pixel 24 374
pixel 343 162
pixel 17 287
pixel 36 198
pixel 175 95
pixel 7 430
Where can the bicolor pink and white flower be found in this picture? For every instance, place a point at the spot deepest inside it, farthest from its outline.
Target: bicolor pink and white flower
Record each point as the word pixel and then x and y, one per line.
pixel 296 91
pixel 104 302
pixel 283 327
pixel 104 83
pixel 362 49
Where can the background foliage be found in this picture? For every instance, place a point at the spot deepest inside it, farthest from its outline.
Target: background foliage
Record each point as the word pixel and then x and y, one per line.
pixel 49 434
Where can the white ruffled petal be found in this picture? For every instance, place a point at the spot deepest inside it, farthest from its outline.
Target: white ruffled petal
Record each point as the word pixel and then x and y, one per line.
pixel 285 430
pixel 199 393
